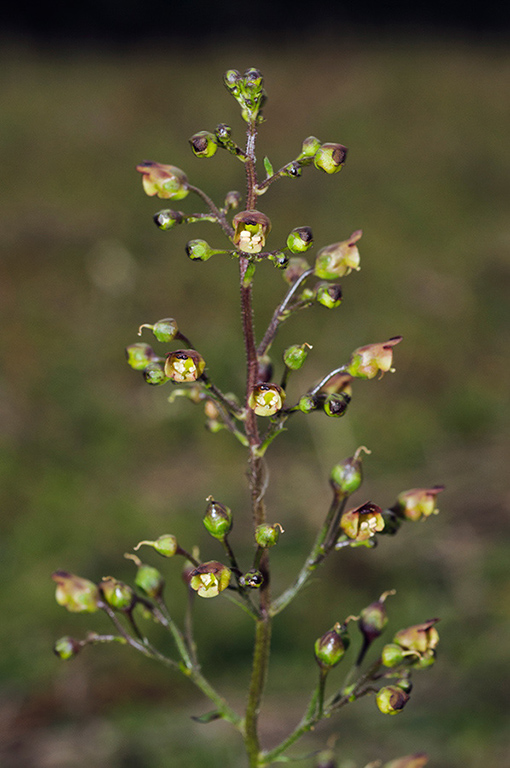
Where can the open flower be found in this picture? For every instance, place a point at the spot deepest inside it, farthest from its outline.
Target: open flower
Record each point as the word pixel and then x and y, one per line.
pixel 209 579
pixel 363 522
pixel 366 362
pixel 418 502
pixel 184 365
pixel 338 259
pixel 250 230
pixel 266 399
pixel 76 594
pixel 420 637
pixel 165 181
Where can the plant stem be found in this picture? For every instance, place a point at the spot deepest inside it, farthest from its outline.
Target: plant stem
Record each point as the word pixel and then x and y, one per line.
pixel 279 313
pixel 222 219
pixel 323 544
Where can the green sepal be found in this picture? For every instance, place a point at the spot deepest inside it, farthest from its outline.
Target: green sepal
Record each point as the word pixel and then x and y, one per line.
pixel 268 167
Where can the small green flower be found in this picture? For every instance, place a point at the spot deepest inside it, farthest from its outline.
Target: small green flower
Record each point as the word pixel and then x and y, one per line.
pixel 374 618
pixel 154 374
pixel 338 259
pixel 250 230
pixel 300 240
pixel 418 503
pixel 204 144
pixel 420 637
pixel 209 579
pixel 267 535
pixel 75 594
pixel 329 295
pixel 336 405
pixel 363 522
pixel 168 219
pixel 330 157
pixel 165 181
pixel 164 330
pixel 295 356
pixel 331 647
pixel 346 477
pixel 118 595
pixel 217 519
pixel 165 545
pixel 266 399
pixel 366 362
pixel 67 647
pixel 391 699
pixel 184 365
pixel 139 356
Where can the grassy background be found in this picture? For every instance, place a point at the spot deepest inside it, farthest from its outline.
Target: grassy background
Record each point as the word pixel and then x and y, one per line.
pixel 93 460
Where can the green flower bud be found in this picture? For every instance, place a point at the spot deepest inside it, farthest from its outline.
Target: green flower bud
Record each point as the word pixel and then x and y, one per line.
pixel 209 579
pixel 267 535
pixel 367 362
pixel 419 637
pixel 139 356
pixel 330 157
pixel 331 647
pixel 168 219
pixel 149 579
pixel 300 240
pixel 391 700
pixel 165 181
pixel 308 403
pixel 164 330
pixel 217 519
pixel 418 503
pixel 232 80
pixel 338 259
pixel 204 144
pixel 75 594
pixel 295 356
pixel 253 579
pixel 118 595
pixel 296 267
pixel 392 655
pixel 253 81
pixel 374 618
pixel 266 399
pixel 199 250
pixel 184 365
pixel 309 149
pixel 363 522
pixel 250 230
pixel 166 545
pixel 154 374
pixel 67 647
pixel 329 295
pixel 336 405
pixel 419 760
pixel 346 477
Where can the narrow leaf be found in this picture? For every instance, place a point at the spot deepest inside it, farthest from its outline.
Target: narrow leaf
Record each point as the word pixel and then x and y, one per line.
pixel 268 167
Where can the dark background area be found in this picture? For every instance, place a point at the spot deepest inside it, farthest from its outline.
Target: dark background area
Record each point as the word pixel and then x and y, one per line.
pixel 135 20
pixel 93 460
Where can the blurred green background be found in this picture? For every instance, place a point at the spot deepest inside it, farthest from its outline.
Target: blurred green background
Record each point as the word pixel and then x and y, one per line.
pixel 93 460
